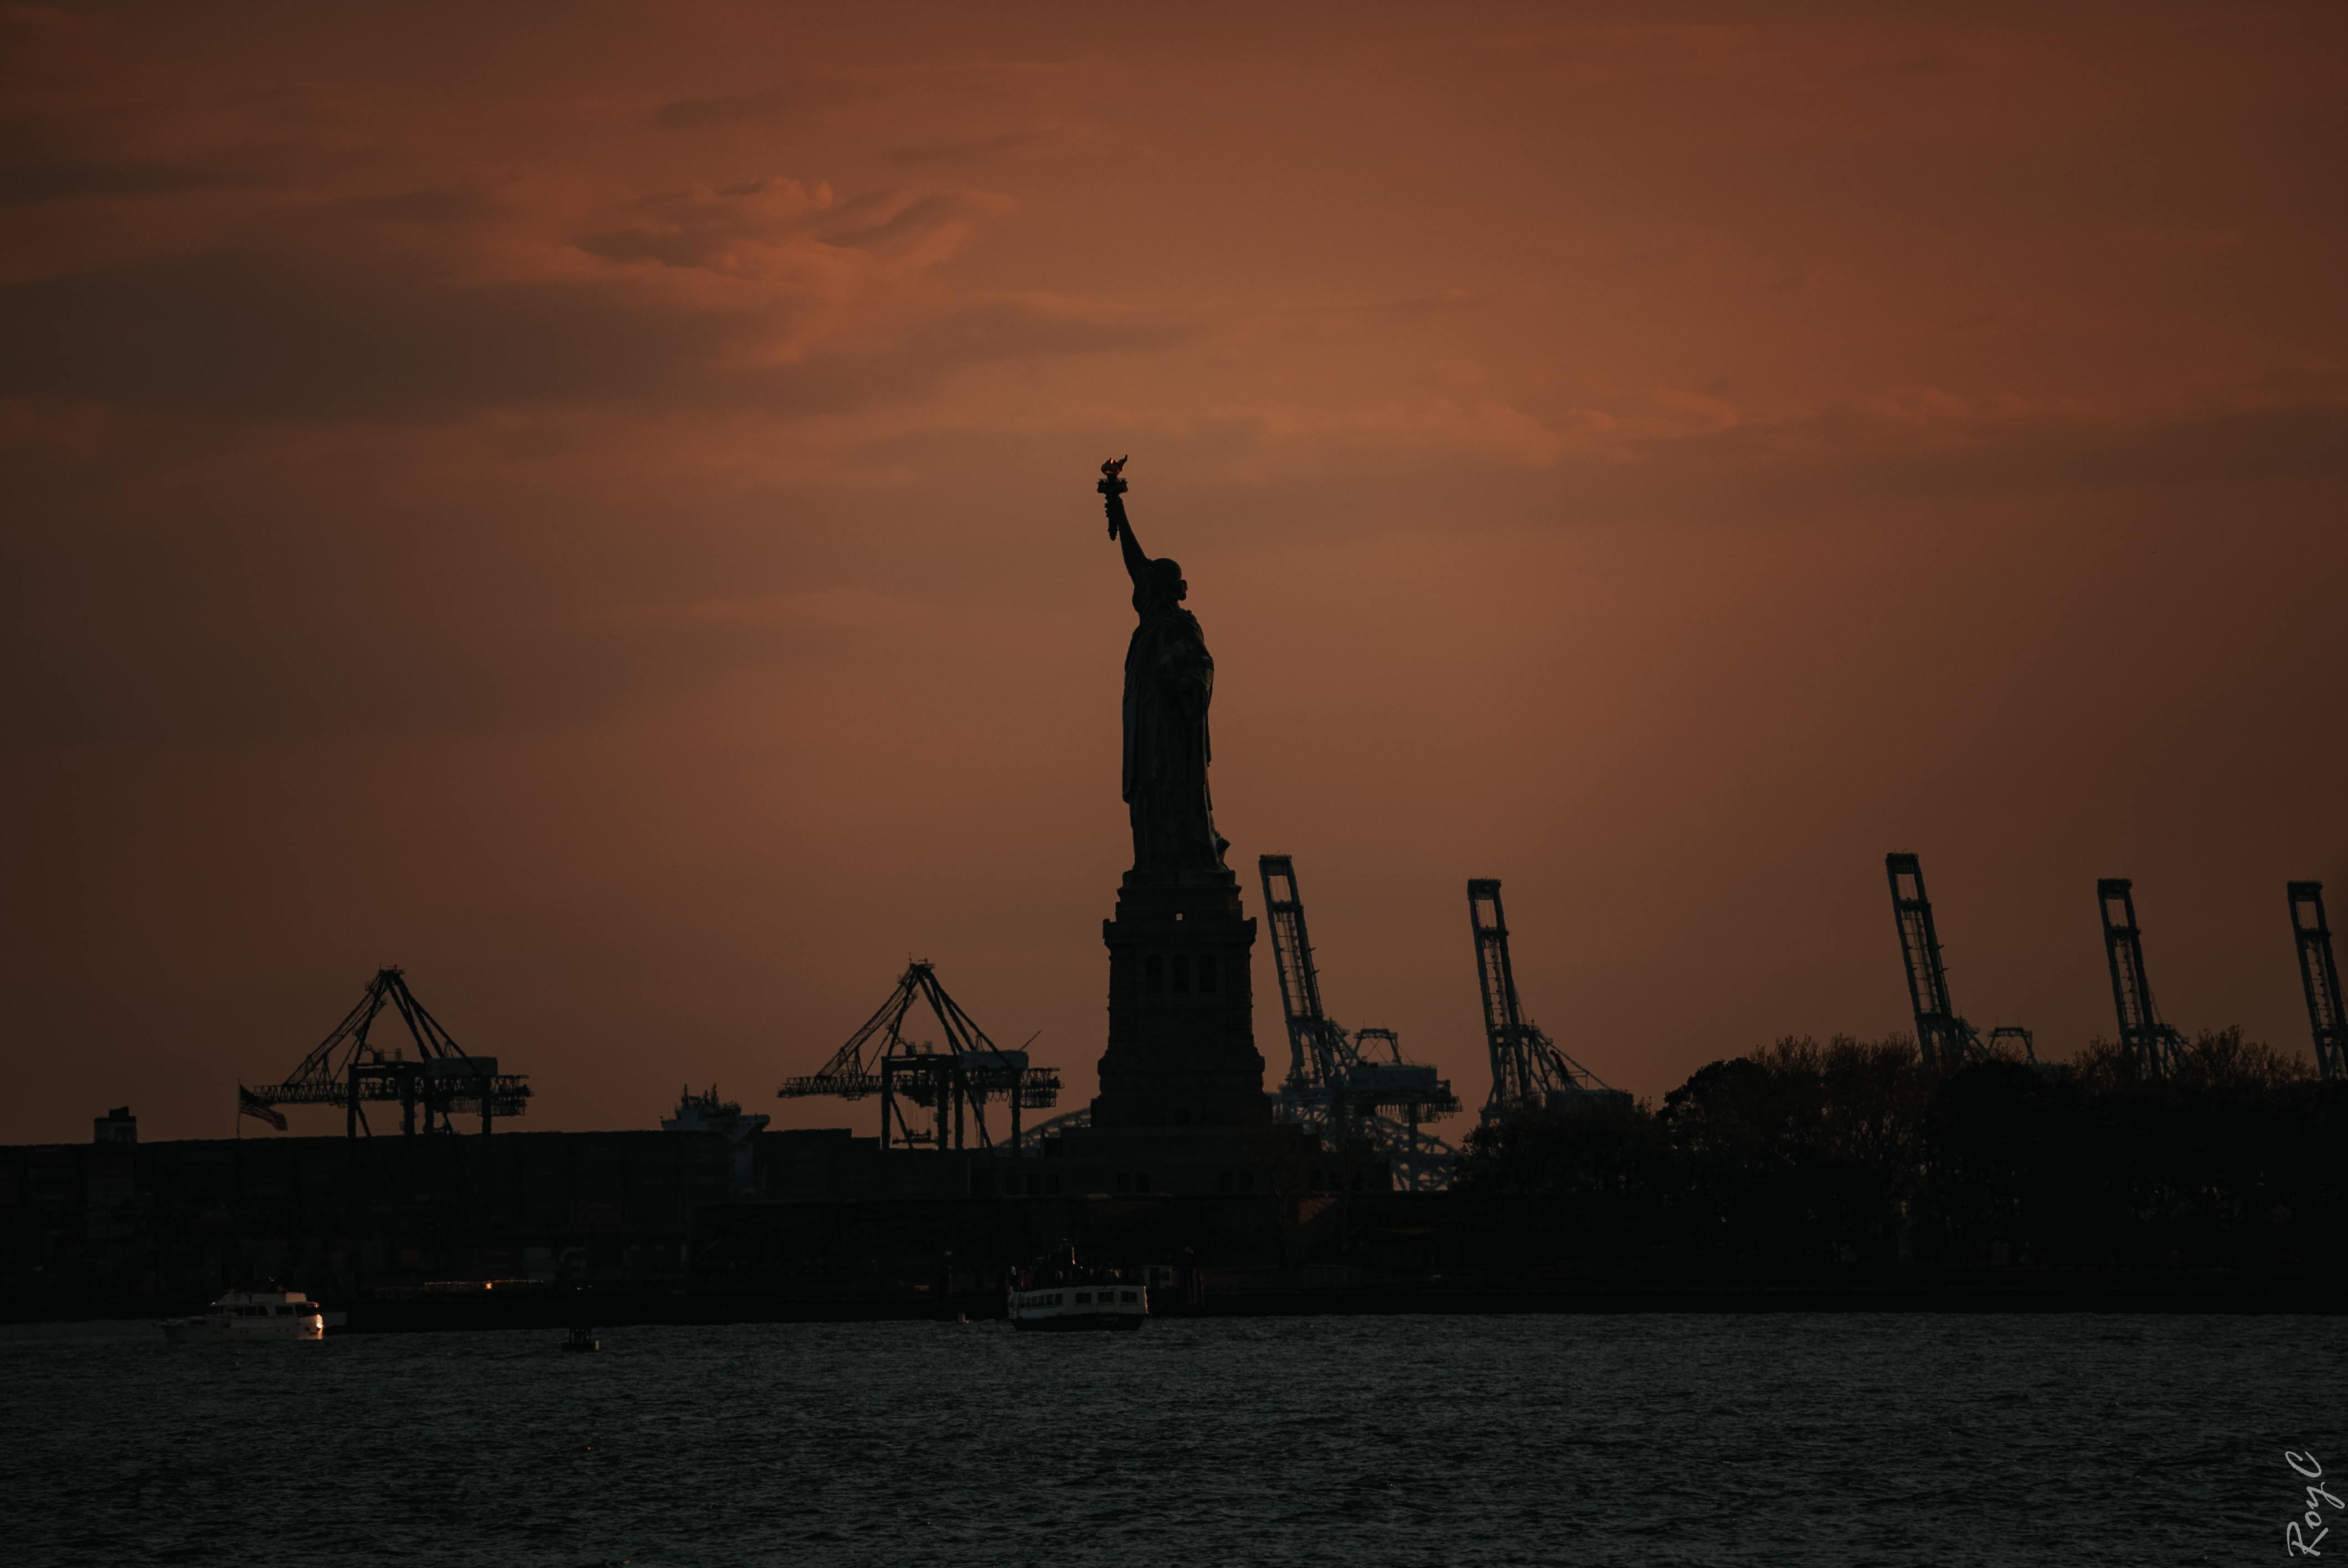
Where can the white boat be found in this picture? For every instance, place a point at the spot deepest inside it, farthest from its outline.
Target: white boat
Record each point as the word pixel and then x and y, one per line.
pixel 250 1315
pixel 1064 1295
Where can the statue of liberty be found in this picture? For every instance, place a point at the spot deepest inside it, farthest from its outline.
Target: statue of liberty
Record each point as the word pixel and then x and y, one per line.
pixel 1170 680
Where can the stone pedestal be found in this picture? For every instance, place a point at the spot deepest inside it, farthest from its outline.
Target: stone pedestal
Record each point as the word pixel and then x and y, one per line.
pixel 1181 1043
pixel 1182 1111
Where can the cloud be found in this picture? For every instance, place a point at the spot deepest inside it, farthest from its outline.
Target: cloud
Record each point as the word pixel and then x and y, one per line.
pixel 2253 446
pixel 436 303
pixel 966 149
pixel 702 114
pixel 62 179
pixel 305 338
pixel 1801 464
pixel 799 96
pixel 831 88
pixel 1490 430
pixel 86 114
pixel 1062 137
pixel 1441 300
pixel 746 229
pixel 72 430
pixel 1050 324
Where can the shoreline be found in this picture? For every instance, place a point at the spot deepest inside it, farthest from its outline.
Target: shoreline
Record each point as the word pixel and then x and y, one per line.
pixel 518 1304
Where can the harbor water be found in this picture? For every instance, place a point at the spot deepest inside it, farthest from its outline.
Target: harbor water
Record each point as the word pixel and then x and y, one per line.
pixel 1808 1439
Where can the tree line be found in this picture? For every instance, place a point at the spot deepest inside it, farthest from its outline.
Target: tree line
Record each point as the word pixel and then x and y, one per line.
pixel 1802 1154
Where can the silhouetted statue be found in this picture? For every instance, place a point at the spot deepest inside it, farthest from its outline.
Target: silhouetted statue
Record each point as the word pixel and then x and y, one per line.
pixel 1170 679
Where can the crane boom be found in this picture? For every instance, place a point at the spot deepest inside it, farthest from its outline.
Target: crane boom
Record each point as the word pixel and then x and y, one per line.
pixel 1316 1045
pixel 442 1081
pixel 1339 1083
pixel 1528 1071
pixel 2321 977
pixel 2152 1045
pixel 953 1084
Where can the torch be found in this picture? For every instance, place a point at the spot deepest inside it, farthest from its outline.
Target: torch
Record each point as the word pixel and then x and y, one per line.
pixel 1112 486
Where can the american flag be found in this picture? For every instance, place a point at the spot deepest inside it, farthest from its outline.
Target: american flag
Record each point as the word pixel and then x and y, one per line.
pixel 248 1104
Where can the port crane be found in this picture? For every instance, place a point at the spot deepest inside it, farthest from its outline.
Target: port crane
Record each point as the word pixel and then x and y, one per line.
pixel 1528 1071
pixel 2320 977
pixel 1317 1046
pixel 1380 1081
pixel 1942 1035
pixel 953 1084
pixel 1344 1085
pixel 441 1082
pixel 2155 1046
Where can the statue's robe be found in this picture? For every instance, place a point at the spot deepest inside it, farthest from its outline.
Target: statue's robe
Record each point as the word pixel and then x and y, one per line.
pixel 1170 679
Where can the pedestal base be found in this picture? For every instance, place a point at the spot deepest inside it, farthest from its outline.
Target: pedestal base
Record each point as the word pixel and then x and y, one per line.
pixel 1181 1045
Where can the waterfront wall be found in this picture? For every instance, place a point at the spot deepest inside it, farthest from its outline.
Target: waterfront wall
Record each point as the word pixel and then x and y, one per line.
pixel 123 1226
pixel 183 1220
pixel 125 1229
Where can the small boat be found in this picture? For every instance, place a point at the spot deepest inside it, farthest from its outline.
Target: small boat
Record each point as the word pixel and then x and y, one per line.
pixel 582 1337
pixel 250 1315
pixel 1063 1294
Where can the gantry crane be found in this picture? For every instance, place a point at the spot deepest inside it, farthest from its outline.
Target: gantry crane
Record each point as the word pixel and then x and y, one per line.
pixel 1316 1044
pixel 2155 1046
pixel 1343 1084
pixel 2320 977
pixel 1377 1087
pixel 442 1081
pixel 1942 1035
pixel 953 1084
pixel 1528 1071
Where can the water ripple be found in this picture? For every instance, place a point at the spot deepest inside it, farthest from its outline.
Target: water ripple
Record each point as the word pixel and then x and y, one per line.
pixel 1770 1440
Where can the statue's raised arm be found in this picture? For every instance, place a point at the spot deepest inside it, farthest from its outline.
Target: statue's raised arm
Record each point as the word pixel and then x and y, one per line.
pixel 1120 527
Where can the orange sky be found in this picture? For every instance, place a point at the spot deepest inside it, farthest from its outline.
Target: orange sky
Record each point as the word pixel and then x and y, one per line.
pixel 593 503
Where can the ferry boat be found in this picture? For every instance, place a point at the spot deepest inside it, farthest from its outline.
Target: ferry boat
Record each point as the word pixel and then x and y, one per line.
pixel 250 1315
pixel 1064 1294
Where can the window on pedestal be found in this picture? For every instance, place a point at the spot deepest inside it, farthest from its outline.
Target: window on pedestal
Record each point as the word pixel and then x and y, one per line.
pixel 1182 974
pixel 1206 971
pixel 1153 975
